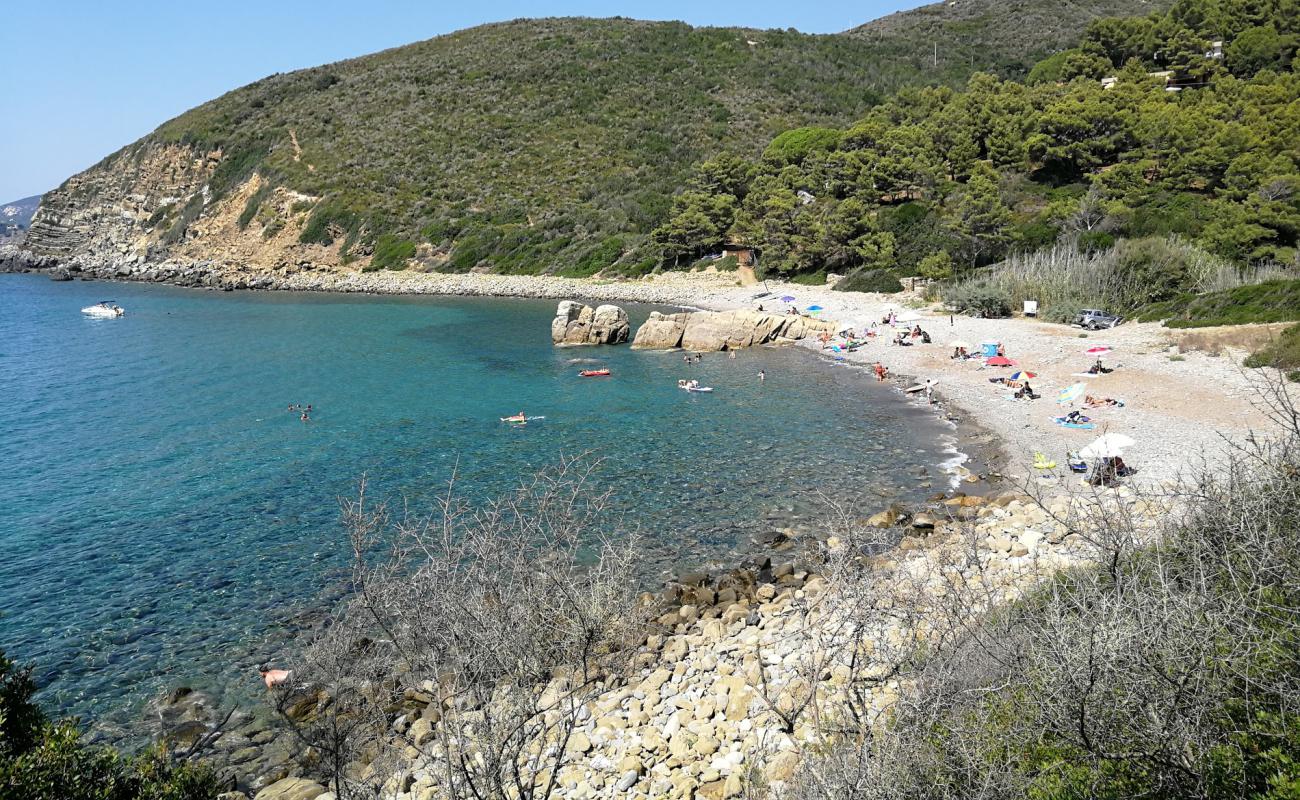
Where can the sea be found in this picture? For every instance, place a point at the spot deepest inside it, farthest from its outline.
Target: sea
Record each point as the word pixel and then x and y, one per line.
pixel 166 520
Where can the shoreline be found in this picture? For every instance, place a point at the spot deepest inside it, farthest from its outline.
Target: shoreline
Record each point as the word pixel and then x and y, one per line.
pixel 1178 398
pixel 689 291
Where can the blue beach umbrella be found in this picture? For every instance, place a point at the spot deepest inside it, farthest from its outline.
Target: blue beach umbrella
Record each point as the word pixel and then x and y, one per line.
pixel 787 299
pixel 813 308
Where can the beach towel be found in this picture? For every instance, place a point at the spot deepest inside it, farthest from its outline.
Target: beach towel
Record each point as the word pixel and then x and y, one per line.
pixel 1083 426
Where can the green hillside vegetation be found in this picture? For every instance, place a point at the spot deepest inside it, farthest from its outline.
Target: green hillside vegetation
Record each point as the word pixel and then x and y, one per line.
pixel 942 182
pixel 946 41
pixel 533 145
pixel 530 144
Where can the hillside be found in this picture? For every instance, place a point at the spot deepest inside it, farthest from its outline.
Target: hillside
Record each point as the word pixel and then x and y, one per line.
pixel 16 216
pixel 534 145
pixel 948 40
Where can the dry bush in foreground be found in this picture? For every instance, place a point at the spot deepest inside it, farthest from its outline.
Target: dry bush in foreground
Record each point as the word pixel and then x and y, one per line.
pixel 505 619
pixel 1164 669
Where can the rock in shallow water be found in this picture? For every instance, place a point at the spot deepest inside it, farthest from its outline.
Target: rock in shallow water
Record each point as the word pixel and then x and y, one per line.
pixel 578 323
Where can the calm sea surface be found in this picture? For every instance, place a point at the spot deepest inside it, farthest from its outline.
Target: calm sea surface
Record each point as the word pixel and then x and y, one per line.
pixel 164 520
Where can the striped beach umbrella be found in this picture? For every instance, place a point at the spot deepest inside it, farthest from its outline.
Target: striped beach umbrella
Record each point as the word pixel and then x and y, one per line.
pixel 1070 393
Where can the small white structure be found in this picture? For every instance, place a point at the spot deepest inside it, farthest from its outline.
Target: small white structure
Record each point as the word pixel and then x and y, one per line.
pixel 1031 308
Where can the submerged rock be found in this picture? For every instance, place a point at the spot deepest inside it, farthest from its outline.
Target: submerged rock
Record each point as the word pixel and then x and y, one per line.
pixel 577 323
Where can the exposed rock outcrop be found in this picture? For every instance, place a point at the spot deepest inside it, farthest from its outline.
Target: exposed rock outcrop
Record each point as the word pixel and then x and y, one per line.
pixel 724 330
pixel 578 323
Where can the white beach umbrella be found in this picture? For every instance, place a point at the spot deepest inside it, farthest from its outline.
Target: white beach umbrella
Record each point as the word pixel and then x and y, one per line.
pixel 959 343
pixel 1107 445
pixel 908 316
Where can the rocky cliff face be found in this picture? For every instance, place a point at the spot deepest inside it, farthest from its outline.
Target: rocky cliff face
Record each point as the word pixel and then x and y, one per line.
pixel 155 203
pixel 724 330
pixel 105 212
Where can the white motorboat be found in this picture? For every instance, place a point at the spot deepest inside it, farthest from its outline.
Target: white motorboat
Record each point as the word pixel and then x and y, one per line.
pixel 104 308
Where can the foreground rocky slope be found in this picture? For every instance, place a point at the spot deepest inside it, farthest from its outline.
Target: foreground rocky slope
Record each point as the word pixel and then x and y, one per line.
pixel 747 672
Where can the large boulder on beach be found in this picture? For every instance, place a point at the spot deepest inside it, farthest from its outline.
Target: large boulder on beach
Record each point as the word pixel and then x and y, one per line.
pixel 291 789
pixel 577 323
pixel 661 331
pixel 724 330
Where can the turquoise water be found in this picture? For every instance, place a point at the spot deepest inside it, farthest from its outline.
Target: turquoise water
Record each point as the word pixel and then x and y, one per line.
pixel 164 520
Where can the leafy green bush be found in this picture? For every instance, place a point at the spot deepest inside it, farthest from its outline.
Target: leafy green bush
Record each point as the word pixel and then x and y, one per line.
pixel 596 259
pixel 979 299
pixel 792 147
pixel 392 252
pixel 1269 301
pixel 190 212
pixel 325 218
pixel 868 280
pixel 254 202
pixel 40 760
pixel 817 278
pixel 1283 353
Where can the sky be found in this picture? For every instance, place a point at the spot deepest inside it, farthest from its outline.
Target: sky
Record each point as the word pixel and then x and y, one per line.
pixel 82 79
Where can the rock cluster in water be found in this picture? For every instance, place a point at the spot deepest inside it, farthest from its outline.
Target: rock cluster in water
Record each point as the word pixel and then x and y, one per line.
pixel 577 323
pixel 724 330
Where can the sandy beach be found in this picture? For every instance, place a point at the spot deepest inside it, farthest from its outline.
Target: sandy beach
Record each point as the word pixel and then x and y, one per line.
pixel 1181 405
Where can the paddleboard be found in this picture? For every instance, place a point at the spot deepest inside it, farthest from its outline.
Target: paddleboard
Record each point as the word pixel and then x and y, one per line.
pixel 518 421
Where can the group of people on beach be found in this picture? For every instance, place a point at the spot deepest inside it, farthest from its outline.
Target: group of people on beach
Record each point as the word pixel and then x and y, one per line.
pixel 304 412
pixel 906 337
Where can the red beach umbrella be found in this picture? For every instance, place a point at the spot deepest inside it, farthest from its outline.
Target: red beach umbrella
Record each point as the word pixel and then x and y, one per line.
pixel 1000 361
pixel 1099 350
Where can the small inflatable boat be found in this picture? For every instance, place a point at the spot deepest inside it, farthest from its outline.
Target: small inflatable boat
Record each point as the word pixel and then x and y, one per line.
pixel 594 373
pixel 520 420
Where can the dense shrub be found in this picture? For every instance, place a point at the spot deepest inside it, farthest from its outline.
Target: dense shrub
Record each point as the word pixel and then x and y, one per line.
pixel 1167 666
pixel 1283 353
pixel 979 298
pixel 810 278
pixel 40 760
pixel 327 218
pixel 868 280
pixel 189 212
pixel 1274 300
pixel 392 252
pixel 252 205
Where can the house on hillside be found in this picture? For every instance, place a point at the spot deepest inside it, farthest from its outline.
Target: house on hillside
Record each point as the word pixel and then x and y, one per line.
pixel 745 255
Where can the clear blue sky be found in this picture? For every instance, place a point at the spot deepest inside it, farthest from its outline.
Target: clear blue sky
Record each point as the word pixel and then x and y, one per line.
pixel 83 78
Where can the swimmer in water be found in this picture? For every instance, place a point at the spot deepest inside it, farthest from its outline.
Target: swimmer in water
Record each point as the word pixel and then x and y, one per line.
pixel 762 375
